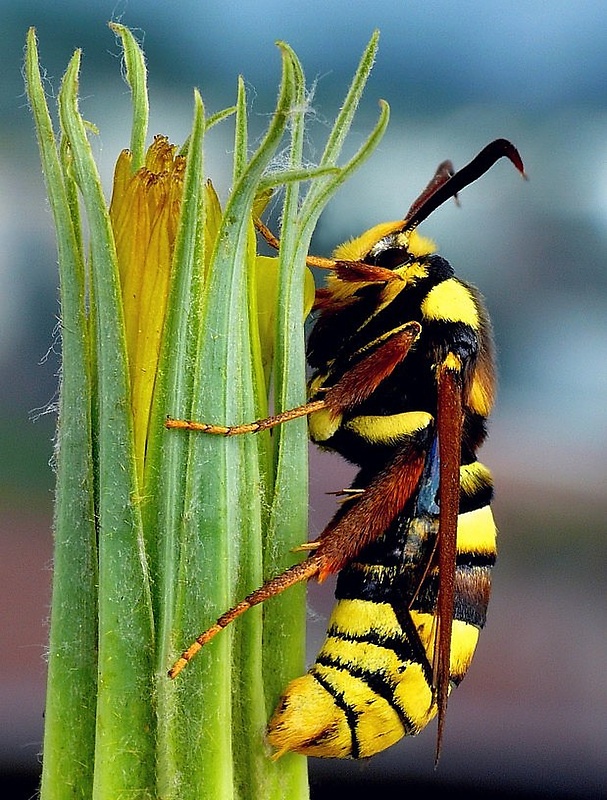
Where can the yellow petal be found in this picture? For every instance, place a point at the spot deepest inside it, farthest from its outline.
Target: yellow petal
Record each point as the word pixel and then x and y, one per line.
pixel 212 220
pixel 144 212
pixel 266 278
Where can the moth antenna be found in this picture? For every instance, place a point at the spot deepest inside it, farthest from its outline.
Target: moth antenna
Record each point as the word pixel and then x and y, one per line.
pixel 441 190
pixel 444 171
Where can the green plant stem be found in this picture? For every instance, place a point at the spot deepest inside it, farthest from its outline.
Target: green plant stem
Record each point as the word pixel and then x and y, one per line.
pixel 124 747
pixel 166 465
pixel 69 733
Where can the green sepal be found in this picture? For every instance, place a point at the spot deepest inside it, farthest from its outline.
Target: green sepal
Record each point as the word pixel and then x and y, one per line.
pixel 124 746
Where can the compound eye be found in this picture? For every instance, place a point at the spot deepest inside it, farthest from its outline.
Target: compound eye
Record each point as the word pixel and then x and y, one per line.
pixel 390 258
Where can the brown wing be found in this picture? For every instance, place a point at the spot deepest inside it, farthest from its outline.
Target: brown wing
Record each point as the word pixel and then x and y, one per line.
pixel 449 430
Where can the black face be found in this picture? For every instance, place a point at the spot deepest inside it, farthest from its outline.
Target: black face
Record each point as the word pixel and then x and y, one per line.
pixel 388 258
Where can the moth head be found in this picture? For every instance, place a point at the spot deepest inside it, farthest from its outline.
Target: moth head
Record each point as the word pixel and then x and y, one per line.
pixel 392 244
pixel 386 245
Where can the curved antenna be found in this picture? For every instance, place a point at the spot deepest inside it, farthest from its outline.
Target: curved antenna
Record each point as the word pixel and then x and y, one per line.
pixel 444 171
pixel 440 189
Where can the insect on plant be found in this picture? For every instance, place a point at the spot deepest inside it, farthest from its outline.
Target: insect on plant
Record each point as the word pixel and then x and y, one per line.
pixel 402 385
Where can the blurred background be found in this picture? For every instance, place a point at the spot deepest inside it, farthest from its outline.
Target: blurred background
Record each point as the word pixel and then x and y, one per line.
pixel 530 718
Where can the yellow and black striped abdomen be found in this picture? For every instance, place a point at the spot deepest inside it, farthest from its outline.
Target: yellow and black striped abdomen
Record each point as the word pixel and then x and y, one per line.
pixel 372 681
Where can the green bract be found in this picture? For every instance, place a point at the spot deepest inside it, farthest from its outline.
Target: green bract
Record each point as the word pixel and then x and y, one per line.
pixel 167 309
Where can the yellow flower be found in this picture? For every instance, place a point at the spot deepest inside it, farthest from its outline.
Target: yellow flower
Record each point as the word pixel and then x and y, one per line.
pixel 144 213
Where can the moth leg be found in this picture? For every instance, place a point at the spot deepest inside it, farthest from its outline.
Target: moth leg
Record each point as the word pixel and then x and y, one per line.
pixel 305 547
pixel 367 516
pixel 347 493
pixel 274 242
pixel 247 427
pixel 345 536
pixel 356 385
pixel 355 524
pixel 365 519
pixel 346 270
pixel 267 234
pixel 383 356
pixel 449 429
pixel 295 574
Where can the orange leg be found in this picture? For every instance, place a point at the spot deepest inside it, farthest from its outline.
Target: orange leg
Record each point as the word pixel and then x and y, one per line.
pixel 365 520
pixel 367 514
pixel 247 427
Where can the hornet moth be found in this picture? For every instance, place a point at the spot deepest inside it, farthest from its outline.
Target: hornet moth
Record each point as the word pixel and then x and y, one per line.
pixel 402 385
